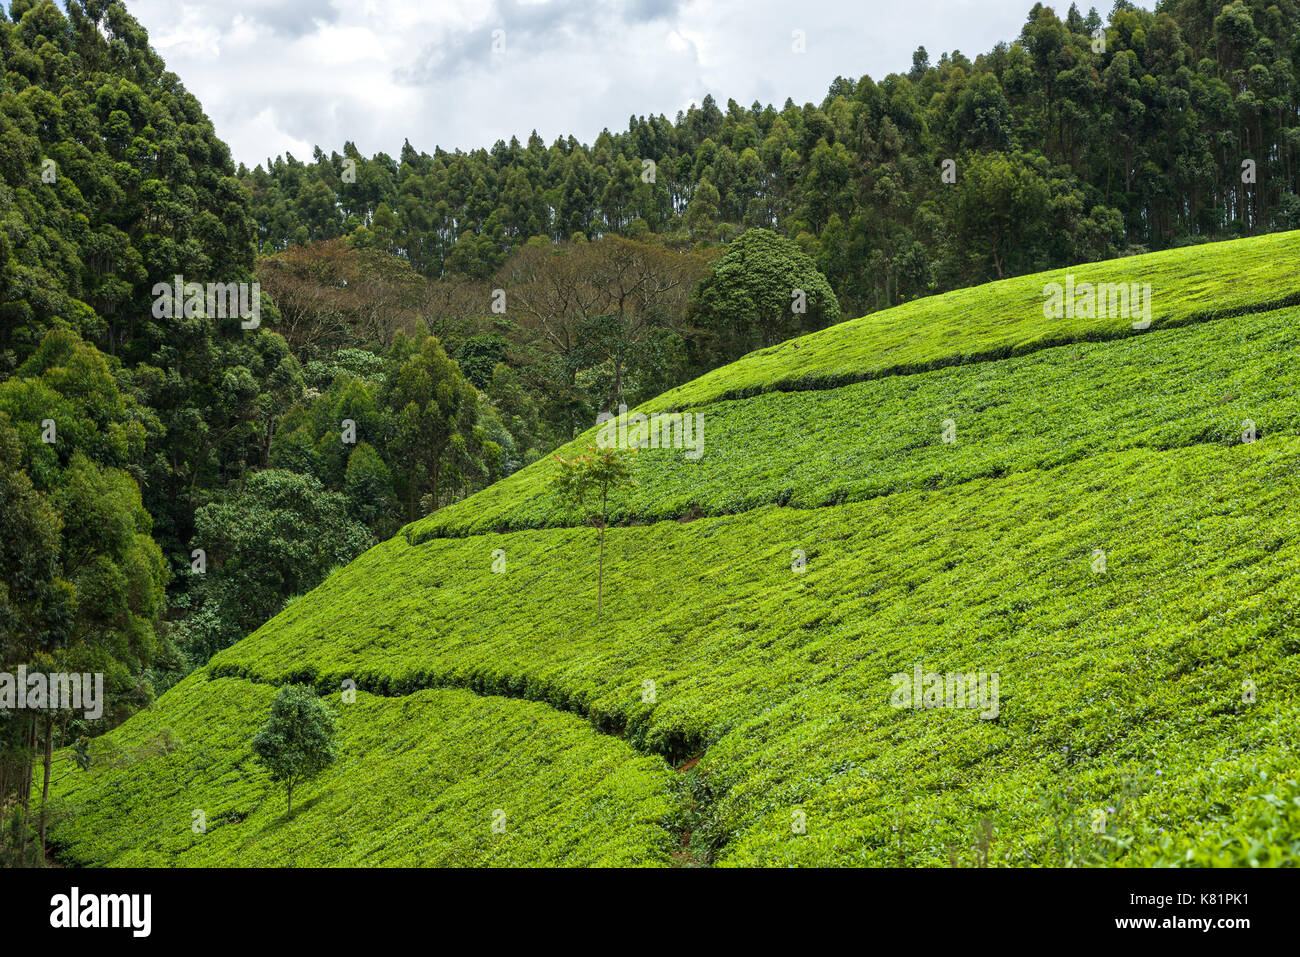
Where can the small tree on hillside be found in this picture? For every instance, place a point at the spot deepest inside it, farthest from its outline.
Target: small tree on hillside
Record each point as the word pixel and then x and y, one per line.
pixel 587 482
pixel 297 741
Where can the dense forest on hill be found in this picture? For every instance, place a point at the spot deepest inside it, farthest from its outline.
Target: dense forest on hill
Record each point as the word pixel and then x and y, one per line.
pixel 1077 141
pixel 432 323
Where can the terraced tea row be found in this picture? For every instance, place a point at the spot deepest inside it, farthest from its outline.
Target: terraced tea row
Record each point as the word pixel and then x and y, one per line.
pixel 1005 318
pixel 1208 382
pixel 1132 674
pixel 437 778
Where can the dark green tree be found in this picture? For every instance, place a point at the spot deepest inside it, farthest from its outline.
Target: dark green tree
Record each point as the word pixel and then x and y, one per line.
pixel 764 290
pixel 430 401
pixel 277 537
pixel 298 740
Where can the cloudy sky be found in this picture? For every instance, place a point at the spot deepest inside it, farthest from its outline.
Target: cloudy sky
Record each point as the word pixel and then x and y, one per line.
pixel 285 75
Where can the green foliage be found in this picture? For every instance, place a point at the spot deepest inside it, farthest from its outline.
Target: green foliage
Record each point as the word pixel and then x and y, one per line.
pixel 828 539
pixel 783 678
pixel 1060 154
pixel 1253 821
pixel 33 612
pixel 1006 319
pixel 1000 199
pixel 379 434
pixel 111 181
pixel 69 383
pixel 18 844
pixel 478 356
pixel 368 486
pixel 1162 388
pixel 74 437
pixel 319 374
pixel 117 573
pixel 764 290
pixel 1153 689
pixel 519 416
pixel 81 579
pixel 275 538
pixel 298 740
pixel 137 187
pixel 431 402
pixel 591 325
pixel 586 482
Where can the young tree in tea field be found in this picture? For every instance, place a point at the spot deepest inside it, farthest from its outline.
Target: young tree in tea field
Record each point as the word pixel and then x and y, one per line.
pixel 587 482
pixel 297 742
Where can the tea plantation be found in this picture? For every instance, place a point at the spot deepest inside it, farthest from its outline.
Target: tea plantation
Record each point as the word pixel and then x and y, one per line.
pixel 1102 517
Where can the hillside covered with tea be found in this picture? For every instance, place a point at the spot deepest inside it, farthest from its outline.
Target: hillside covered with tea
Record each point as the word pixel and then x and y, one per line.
pixel 930 485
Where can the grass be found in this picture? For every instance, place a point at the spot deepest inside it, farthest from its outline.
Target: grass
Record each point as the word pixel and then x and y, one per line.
pixel 1145 716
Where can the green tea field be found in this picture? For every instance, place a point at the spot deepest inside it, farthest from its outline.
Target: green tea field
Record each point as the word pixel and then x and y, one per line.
pixel 1100 519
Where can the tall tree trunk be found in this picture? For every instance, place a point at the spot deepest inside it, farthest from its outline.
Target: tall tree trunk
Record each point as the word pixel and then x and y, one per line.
pixel 600 573
pixel 45 787
pixel 29 755
pixel 270 436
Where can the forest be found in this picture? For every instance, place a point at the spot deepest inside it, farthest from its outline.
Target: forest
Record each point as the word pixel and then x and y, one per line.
pixel 434 322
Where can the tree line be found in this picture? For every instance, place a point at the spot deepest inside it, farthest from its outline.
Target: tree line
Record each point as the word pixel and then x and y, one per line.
pixel 1081 140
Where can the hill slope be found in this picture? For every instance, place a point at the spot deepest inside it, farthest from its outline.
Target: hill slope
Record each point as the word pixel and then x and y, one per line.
pixel 1098 536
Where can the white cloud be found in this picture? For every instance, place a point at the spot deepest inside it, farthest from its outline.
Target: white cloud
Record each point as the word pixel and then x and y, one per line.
pixel 277 75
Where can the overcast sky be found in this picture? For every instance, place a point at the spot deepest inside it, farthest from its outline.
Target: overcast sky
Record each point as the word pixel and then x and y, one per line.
pixel 286 75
